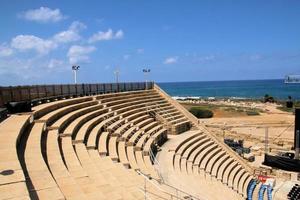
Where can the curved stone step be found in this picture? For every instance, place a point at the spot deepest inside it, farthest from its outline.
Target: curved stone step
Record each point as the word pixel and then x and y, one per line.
pixel 67 184
pixel 228 170
pixel 132 158
pixel 237 180
pixel 142 141
pixel 222 168
pixel 97 131
pixel 232 175
pixel 51 117
pixel 246 184
pixel 205 149
pixel 11 130
pixel 213 160
pixel 208 157
pixel 181 148
pixel 63 122
pixel 75 125
pixel 216 166
pixel 43 109
pixel 42 184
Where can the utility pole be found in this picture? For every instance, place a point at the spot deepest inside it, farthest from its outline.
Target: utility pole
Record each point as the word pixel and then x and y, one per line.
pixel 75 68
pixel 146 72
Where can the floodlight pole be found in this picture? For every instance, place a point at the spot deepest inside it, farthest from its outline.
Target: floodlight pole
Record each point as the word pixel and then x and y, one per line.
pixel 117 73
pixel 297 145
pixel 75 76
pixel 75 68
pixel 146 71
pixel 266 140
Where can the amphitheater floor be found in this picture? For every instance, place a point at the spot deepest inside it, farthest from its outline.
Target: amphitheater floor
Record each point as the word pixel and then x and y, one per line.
pixel 201 186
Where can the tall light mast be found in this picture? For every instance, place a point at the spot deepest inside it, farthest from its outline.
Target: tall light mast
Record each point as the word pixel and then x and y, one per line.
pixel 75 68
pixel 146 72
pixel 117 73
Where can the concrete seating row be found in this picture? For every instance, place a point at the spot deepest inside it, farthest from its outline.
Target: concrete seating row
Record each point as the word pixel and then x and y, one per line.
pixel 71 161
pixel 68 184
pixel 12 177
pixel 115 123
pixel 111 96
pixel 86 128
pixel 42 184
pixel 73 147
pixel 43 109
pixel 54 115
pixel 200 155
pixel 127 153
pixel 40 181
pixel 95 131
pixel 64 121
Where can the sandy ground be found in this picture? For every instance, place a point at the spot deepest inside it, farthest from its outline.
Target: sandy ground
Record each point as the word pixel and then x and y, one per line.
pixel 252 129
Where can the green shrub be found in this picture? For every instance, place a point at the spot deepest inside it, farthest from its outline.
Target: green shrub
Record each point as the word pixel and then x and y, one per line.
pixel 252 112
pixel 285 109
pixel 268 98
pixel 201 112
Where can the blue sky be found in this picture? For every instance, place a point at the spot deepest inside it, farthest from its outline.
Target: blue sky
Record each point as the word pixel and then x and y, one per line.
pixel 178 40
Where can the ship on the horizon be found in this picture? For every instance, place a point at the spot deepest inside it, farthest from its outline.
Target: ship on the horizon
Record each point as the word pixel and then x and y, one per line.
pixel 292 78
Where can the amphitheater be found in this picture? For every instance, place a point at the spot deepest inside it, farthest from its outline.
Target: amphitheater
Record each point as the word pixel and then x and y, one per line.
pixel 120 141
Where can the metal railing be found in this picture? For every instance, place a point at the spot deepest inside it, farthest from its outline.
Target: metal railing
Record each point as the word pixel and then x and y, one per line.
pixel 156 165
pixel 41 92
pixel 194 120
pixel 172 192
pixel 155 111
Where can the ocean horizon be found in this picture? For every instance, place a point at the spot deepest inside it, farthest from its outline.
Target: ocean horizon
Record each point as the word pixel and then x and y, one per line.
pixel 235 89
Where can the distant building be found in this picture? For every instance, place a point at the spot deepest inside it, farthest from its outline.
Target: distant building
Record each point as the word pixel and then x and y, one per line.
pixel 292 78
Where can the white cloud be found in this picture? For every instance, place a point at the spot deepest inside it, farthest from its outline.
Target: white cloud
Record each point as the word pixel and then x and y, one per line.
pixel 207 58
pixel 55 63
pixel 31 42
pixel 108 35
pixel 23 68
pixel 140 51
pixel 43 14
pixel 66 36
pixel 5 51
pixel 70 35
pixel 255 57
pixel 78 54
pixel 31 70
pixel 77 26
pixel 199 58
pixel 126 57
pixel 119 34
pixel 171 60
pixel 43 46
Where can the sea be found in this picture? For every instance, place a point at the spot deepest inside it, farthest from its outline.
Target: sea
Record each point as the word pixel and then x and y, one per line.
pixel 241 89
